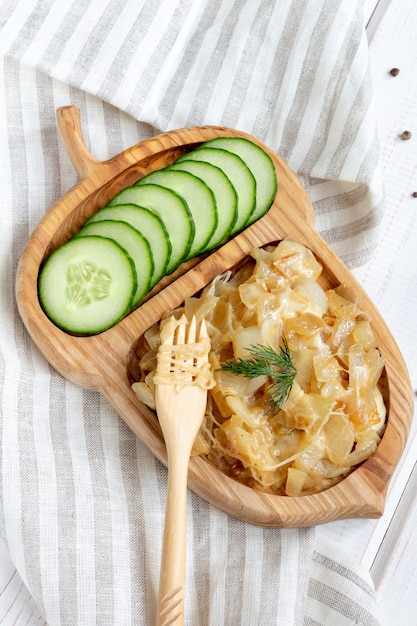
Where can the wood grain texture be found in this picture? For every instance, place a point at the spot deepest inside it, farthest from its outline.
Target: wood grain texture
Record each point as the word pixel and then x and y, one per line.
pixel 105 362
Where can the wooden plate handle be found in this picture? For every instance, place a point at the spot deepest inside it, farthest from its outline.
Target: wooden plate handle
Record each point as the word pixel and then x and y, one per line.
pixel 69 125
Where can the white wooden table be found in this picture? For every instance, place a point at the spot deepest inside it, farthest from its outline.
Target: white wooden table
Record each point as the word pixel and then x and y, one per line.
pixel 388 546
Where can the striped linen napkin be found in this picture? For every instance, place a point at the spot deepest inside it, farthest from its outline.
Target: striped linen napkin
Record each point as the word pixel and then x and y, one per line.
pixel 82 500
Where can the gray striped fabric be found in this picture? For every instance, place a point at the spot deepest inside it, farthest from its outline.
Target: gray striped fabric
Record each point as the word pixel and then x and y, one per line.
pixel 82 501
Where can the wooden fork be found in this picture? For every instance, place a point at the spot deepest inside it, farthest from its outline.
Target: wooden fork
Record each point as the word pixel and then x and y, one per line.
pixel 180 405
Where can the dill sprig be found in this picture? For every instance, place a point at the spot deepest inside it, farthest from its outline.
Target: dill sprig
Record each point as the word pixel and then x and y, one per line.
pixel 266 361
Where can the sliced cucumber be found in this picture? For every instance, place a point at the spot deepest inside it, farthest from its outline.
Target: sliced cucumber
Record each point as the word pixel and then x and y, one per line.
pixel 173 212
pixel 147 230
pixel 259 163
pixel 199 199
pixel 149 225
pixel 87 285
pixel 135 245
pixel 224 193
pixel 239 175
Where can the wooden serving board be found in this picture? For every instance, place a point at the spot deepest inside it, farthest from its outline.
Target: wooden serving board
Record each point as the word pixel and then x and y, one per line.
pixel 107 362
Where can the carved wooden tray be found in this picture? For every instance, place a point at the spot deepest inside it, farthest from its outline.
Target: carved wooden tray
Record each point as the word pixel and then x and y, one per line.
pixel 107 362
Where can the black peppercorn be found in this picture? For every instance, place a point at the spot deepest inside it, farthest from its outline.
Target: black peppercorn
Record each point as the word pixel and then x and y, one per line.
pixel 414 194
pixel 395 71
pixel 405 135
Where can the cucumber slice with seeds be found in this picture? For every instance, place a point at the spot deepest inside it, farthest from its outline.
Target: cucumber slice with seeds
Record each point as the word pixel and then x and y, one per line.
pixel 173 212
pixel 135 245
pixel 199 199
pixel 87 285
pixel 208 195
pixel 149 225
pixel 224 193
pixel 237 172
pixel 259 163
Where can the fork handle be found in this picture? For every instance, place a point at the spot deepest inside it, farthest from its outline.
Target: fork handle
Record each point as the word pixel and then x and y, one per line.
pixel 170 609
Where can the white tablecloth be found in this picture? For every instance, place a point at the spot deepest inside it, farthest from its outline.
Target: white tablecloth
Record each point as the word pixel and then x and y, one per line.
pixel 82 500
